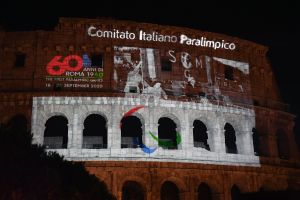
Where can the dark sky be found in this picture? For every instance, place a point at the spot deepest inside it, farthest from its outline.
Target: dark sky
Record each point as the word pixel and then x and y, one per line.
pixel 274 23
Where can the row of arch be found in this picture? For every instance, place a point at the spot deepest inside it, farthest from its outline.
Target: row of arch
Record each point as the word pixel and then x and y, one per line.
pixel 132 131
pixel 95 133
pixel 132 190
pixel 95 127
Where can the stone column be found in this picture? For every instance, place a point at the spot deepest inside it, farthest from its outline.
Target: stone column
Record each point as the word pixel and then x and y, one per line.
pixel 109 134
pixel 184 132
pixel 115 136
pixel 248 148
pixel 148 140
pixel 210 140
pixel 77 128
pixel 190 142
pixel 70 135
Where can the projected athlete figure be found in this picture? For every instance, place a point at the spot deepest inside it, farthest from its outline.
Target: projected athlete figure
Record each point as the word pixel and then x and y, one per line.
pixel 155 91
pixel 134 78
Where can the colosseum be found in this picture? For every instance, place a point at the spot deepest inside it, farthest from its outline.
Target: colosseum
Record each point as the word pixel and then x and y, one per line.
pixel 155 112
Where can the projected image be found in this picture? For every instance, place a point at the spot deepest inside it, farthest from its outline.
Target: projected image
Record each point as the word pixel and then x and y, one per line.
pixel 166 74
pixel 74 71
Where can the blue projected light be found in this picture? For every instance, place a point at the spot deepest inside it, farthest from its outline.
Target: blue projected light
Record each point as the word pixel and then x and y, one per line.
pixel 86 61
pixel 144 148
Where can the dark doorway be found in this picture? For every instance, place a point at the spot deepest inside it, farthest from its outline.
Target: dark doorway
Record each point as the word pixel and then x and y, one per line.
pixel 132 190
pixel 169 191
pixel 204 192
pixel 230 139
pixel 235 193
pixel 131 132
pixel 167 133
pixel 200 135
pixel 255 137
pixel 56 133
pixel 94 132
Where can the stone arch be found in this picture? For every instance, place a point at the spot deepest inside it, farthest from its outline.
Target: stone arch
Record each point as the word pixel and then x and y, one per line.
pixel 52 114
pixel 243 183
pixel 84 115
pixel 139 180
pixel 203 117
pixel 237 126
pixel 173 117
pixel 169 191
pixel 212 182
pixel 180 184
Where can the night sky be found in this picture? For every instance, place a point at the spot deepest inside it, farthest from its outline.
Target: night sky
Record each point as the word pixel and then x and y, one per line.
pixel 274 24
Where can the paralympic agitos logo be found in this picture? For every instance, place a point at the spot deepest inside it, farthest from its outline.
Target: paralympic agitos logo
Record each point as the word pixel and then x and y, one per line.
pixel 160 143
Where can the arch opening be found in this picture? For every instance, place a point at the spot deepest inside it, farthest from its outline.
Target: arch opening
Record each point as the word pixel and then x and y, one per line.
pixel 169 191
pixel 200 135
pixel 56 133
pixel 94 132
pixel 255 137
pixel 132 190
pixel 167 133
pixel 235 193
pixel 230 139
pixel 204 192
pixel 131 132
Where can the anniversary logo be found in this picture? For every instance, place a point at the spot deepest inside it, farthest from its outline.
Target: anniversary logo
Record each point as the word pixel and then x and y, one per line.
pixel 73 71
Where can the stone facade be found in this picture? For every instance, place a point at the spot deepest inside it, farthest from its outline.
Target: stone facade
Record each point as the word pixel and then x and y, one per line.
pixel 215 86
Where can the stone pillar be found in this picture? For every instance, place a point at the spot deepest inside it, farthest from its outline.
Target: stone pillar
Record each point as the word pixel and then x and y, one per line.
pixel 115 127
pixel 210 140
pixel 116 136
pixel 109 134
pixel 152 126
pixel 248 148
pixel 184 132
pixel 148 140
pixel 70 135
pixel 77 129
pixel 190 139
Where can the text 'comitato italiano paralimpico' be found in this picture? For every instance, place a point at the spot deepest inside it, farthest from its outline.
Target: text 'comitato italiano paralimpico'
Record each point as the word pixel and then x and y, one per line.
pixel 157 37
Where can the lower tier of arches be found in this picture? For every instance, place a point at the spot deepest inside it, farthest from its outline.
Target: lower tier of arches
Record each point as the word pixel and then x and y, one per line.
pixel 129 180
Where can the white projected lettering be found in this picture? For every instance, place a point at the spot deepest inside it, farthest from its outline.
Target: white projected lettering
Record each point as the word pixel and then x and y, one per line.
pixel 206 43
pixel 155 36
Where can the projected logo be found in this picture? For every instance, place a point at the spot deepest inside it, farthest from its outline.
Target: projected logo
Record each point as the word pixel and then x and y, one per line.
pixel 73 71
pixel 161 143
